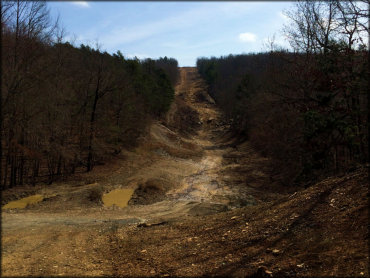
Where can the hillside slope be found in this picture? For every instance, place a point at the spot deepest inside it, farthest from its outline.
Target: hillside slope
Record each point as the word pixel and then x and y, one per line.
pixel 204 204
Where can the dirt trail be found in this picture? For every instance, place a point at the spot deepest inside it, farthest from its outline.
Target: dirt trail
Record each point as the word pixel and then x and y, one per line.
pixel 190 180
pixel 39 239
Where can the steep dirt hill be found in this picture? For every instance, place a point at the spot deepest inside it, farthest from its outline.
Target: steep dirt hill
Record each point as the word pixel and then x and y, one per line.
pixel 203 204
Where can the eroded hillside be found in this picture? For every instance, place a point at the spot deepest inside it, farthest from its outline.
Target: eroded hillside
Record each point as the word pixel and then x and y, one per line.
pixel 203 204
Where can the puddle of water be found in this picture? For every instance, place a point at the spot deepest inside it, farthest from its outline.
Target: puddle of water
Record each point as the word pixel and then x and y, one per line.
pixel 22 203
pixel 118 197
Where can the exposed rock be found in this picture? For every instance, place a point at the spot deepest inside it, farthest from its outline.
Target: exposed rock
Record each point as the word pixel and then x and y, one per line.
pixel 262 272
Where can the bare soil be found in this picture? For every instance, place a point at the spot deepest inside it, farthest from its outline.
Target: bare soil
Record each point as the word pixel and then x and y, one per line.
pixel 204 204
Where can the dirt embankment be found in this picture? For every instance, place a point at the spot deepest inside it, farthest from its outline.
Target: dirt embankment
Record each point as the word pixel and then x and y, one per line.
pixel 203 205
pixel 321 231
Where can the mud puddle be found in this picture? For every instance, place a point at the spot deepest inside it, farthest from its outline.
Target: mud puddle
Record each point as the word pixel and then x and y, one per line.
pixel 24 202
pixel 118 197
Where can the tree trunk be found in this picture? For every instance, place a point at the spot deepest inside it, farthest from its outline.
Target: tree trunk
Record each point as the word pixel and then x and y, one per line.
pixel 13 170
pixel 92 127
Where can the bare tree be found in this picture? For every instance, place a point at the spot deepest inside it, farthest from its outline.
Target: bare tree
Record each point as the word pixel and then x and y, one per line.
pixel 331 35
pixel 313 26
pixel 26 26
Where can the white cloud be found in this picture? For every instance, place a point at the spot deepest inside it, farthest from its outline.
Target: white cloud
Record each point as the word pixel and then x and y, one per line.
pixel 83 4
pixel 247 37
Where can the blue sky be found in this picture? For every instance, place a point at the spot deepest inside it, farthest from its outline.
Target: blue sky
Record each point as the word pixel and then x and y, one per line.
pixel 182 30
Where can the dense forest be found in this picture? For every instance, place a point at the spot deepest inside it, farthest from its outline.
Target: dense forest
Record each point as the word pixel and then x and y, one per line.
pixel 307 109
pixel 66 108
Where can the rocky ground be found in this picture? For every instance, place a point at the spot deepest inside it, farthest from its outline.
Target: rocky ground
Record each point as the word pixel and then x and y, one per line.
pixel 204 204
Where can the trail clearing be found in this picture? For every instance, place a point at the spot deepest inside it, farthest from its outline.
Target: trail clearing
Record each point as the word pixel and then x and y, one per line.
pixel 202 204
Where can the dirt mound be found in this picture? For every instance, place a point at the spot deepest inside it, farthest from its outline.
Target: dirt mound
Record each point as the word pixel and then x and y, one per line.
pixel 152 191
pixel 95 194
pixel 202 96
pixel 207 209
pixel 183 118
pixel 17 193
pixel 164 142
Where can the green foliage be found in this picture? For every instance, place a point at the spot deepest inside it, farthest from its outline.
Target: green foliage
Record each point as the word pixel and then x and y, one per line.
pixel 233 81
pixel 208 69
pixel 315 123
pixel 156 88
pixel 170 67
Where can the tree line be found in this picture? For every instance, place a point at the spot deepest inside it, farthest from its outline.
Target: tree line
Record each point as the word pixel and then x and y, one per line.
pixel 306 108
pixel 65 108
